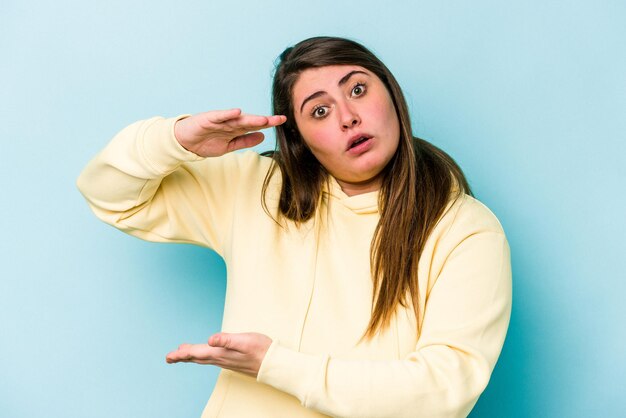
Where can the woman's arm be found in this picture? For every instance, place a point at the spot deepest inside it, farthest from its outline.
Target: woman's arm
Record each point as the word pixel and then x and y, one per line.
pixel 465 322
pixel 146 183
pixel 464 325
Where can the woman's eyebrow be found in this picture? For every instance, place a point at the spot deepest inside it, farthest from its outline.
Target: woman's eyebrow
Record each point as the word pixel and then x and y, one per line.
pixel 311 97
pixel 346 77
pixel 341 82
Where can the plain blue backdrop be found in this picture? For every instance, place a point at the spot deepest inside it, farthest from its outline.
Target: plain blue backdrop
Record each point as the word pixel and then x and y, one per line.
pixel 528 96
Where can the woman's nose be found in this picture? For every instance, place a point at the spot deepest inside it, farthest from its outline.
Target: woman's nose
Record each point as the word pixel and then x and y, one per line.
pixel 349 117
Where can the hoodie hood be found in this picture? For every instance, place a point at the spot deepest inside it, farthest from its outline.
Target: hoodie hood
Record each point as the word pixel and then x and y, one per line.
pixel 361 204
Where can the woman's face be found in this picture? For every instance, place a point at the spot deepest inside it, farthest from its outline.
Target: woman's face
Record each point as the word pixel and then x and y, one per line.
pixel 347 118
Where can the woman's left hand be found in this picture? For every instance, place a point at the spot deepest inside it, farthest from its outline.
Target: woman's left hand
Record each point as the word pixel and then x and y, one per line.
pixel 242 352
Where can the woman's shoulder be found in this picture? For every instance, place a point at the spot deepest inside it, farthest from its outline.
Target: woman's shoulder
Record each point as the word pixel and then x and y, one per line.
pixel 465 216
pixel 468 225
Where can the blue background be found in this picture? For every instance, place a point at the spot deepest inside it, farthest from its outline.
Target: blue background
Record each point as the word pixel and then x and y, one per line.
pixel 528 96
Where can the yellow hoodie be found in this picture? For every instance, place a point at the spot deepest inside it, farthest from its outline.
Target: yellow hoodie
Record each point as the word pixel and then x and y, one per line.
pixel 310 288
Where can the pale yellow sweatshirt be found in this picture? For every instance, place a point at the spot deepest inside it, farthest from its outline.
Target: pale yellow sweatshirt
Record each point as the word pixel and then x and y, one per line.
pixel 310 288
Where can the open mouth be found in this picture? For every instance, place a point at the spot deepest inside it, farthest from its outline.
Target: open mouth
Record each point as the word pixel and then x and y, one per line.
pixel 359 141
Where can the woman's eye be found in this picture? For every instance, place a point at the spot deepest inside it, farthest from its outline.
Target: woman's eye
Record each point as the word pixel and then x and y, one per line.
pixel 319 112
pixel 358 90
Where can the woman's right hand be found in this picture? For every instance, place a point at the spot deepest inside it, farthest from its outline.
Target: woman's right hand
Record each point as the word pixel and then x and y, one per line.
pixel 214 133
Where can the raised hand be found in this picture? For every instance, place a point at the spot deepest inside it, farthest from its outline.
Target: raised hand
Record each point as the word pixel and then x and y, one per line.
pixel 214 133
pixel 241 352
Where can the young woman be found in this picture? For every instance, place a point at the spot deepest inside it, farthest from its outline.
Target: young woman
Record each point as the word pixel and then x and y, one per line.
pixel 363 278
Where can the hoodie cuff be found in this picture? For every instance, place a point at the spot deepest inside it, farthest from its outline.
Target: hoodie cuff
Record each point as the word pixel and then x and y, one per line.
pixel 160 147
pixel 292 372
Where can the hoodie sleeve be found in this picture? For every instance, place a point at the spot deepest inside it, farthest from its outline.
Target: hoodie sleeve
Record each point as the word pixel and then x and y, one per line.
pixel 465 320
pixel 147 185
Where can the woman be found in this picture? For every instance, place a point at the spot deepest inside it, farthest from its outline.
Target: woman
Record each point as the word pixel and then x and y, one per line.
pixel 363 279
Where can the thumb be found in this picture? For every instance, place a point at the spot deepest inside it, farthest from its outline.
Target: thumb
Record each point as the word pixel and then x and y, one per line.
pixel 248 140
pixel 223 340
pixel 219 116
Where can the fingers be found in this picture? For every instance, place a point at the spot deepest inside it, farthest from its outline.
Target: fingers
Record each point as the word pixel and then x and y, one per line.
pixel 246 342
pixel 241 352
pixel 206 354
pixel 181 354
pixel 194 353
pixel 249 123
pixel 234 119
pixel 215 133
pixel 276 120
pixel 246 141
pixel 219 116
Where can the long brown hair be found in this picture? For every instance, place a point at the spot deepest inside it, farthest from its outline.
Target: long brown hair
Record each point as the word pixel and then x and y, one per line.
pixel 417 184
